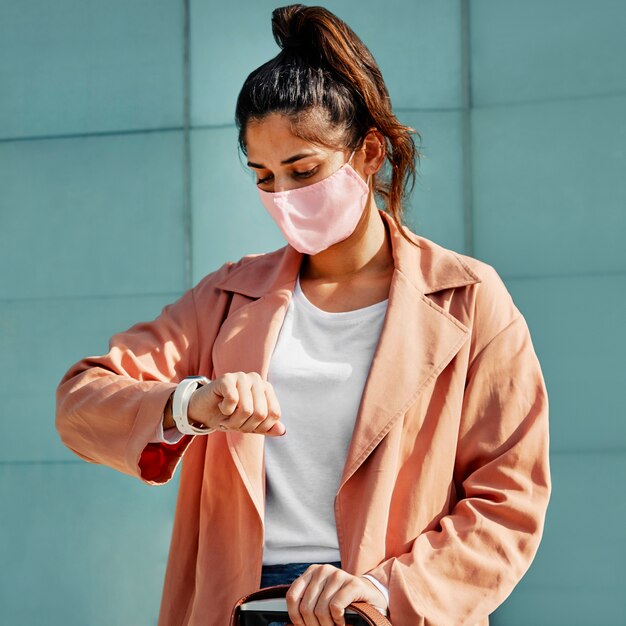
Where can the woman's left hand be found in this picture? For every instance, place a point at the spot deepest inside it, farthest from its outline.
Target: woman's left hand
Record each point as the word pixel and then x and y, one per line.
pixel 319 596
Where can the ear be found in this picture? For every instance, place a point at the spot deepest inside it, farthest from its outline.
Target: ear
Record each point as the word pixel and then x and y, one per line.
pixel 374 147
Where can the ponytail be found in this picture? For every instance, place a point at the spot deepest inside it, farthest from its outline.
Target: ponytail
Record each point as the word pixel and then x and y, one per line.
pixel 323 65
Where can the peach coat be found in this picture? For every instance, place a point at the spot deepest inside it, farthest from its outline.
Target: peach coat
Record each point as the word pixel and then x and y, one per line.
pixel 446 481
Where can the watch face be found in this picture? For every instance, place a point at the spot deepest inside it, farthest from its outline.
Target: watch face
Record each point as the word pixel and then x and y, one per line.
pixel 203 380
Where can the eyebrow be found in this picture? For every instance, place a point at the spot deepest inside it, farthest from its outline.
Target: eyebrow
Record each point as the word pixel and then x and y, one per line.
pixel 291 159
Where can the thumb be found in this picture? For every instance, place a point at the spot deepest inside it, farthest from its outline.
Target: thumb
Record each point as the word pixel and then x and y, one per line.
pixel 229 401
pixel 227 405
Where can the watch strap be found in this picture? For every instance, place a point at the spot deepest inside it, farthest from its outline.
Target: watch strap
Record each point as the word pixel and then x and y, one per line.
pixel 180 405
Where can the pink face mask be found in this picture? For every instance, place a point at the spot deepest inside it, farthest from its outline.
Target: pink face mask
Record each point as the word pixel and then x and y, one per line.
pixel 316 216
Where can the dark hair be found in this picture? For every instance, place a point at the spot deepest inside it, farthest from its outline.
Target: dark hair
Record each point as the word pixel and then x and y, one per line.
pixel 324 74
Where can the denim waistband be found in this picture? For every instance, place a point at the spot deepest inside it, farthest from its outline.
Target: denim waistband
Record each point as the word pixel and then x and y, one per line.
pixel 285 573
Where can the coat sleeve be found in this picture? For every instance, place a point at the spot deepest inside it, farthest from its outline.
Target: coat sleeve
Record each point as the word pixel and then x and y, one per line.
pixel 461 571
pixel 108 407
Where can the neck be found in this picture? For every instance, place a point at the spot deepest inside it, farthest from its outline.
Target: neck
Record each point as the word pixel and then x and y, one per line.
pixel 366 251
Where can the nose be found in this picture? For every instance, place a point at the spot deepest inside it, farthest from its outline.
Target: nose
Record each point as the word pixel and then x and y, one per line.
pixel 284 183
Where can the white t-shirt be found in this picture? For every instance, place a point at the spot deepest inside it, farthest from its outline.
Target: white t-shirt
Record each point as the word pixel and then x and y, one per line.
pixel 318 370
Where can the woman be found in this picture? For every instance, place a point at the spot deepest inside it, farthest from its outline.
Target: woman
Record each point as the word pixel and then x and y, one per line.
pixel 404 456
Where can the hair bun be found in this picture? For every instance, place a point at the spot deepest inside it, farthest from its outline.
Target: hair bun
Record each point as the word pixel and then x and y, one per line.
pixel 290 27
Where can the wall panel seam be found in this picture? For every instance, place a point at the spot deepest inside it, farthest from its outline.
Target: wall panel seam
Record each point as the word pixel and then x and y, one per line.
pixel 96 296
pixel 468 209
pixel 187 208
pixel 103 133
pixel 551 100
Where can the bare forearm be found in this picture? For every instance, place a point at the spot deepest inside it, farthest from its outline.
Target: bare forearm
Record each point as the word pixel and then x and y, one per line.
pixel 168 420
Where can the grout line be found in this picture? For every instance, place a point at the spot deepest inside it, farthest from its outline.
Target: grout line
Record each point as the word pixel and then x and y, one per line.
pixel 106 296
pixel 190 127
pixel 582 451
pixel 466 86
pixel 224 126
pixel 561 276
pixel 450 109
pixel 552 100
pixel 104 133
pixel 187 208
pixel 43 462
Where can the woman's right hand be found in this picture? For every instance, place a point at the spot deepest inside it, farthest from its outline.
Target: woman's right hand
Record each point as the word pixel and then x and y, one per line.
pixel 240 401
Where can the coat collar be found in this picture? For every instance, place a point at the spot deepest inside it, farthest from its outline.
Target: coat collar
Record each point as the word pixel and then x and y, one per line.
pixel 418 339
pixel 429 268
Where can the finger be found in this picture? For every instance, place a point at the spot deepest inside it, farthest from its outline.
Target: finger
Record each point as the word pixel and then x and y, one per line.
pixel 277 429
pixel 329 610
pixel 273 406
pixel 259 402
pixel 273 409
pixel 245 406
pixel 349 592
pixel 269 426
pixel 294 595
pixel 226 386
pixel 202 403
pixel 310 608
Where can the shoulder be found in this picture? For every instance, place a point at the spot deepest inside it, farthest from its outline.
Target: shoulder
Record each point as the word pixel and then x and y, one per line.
pixel 251 266
pixel 473 279
pixel 481 300
pixel 491 290
pixel 224 270
pixel 494 312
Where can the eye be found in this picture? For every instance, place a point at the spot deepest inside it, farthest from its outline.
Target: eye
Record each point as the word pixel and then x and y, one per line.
pixel 306 174
pixel 263 180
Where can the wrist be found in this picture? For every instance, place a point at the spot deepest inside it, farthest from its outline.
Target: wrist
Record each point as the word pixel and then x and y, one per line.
pixel 168 420
pixel 192 408
pixel 383 593
pixel 180 405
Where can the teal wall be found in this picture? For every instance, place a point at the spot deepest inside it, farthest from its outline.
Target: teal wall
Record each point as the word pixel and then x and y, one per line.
pixel 120 185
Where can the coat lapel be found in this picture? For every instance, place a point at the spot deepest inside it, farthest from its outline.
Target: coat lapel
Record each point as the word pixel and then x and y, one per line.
pixel 418 339
pixel 262 287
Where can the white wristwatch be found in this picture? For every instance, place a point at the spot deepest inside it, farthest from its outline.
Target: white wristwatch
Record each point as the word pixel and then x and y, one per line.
pixel 180 404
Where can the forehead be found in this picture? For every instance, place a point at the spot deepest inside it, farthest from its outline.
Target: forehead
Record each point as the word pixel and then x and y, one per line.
pixel 270 132
pixel 273 136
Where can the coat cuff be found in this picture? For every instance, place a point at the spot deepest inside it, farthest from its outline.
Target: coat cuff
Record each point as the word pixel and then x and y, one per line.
pixel 155 463
pixel 169 435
